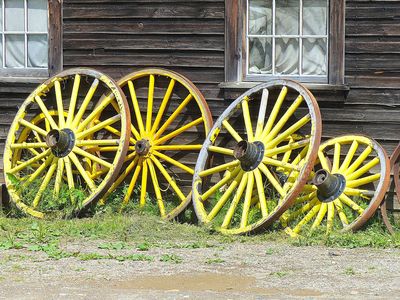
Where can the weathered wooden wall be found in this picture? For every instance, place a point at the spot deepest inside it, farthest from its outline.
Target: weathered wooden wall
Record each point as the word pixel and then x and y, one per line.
pixel 118 37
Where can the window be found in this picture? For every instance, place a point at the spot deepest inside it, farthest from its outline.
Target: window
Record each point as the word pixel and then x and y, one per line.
pixel 299 39
pixel 28 31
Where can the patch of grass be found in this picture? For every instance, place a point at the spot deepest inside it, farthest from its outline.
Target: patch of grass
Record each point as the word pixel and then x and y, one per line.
pixel 143 247
pixel 349 271
pixel 215 260
pixel 92 256
pixel 113 246
pixel 134 257
pixel 279 274
pixel 269 251
pixel 171 258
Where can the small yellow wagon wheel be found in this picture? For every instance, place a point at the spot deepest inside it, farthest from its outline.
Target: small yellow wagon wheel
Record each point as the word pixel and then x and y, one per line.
pixel 351 179
pixel 255 153
pixel 170 119
pixel 50 145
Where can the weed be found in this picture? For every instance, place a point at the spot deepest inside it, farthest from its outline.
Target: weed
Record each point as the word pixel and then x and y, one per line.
pixel 350 271
pixel 143 247
pixel 92 256
pixel 171 258
pixel 216 260
pixel 269 251
pixel 279 274
pixel 135 257
pixel 113 246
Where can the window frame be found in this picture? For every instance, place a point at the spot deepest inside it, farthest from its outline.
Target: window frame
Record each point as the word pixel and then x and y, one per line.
pixel 235 43
pixel 54 50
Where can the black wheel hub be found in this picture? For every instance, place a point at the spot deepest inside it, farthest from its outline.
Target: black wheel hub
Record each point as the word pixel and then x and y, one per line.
pixel 142 147
pixel 330 186
pixel 61 142
pixel 250 155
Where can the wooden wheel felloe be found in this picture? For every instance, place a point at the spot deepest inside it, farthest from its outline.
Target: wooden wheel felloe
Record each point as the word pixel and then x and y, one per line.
pixel 170 119
pixel 351 181
pixel 260 154
pixel 52 147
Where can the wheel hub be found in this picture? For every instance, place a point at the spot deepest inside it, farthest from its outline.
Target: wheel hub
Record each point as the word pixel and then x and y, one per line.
pixel 61 142
pixel 250 155
pixel 142 147
pixel 330 186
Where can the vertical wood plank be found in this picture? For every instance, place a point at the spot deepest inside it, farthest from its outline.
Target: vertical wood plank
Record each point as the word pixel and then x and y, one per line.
pixel 336 41
pixel 232 53
pixel 55 36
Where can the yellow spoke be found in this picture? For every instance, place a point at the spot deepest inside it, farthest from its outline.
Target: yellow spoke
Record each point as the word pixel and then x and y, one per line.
pixel 247 200
pixel 363 180
pixel 96 111
pixel 60 108
pixel 292 129
pixel 98 127
pixel 321 214
pixel 272 180
pixel 85 103
pixel 350 203
pixel 283 120
pixel 341 213
pixel 261 113
pixel 81 170
pixel 305 208
pixel 133 181
pixel 33 127
pixel 219 168
pixel 247 119
pixel 231 130
pixel 32 177
pixel 235 201
pixel 143 188
pixel 157 190
pixel 135 132
pixel 87 143
pixel 286 148
pixel 363 156
pixel 130 156
pixel 261 195
pixel 274 112
pixel 169 179
pixel 323 161
pixel 366 194
pixel 225 196
pixel 349 156
pixel 227 177
pixel 92 157
pixel 305 198
pixel 173 116
pixel 178 131
pixel 58 180
pixel 28 146
pixel 174 162
pixel 30 162
pixel 150 103
pixel 136 107
pixel 45 183
pixel 43 108
pixel 278 163
pixel 363 170
pixel 336 158
pixel 70 177
pixel 331 216
pixel 307 218
pixel 163 105
pixel 74 98
pixel 178 147
pixel 221 150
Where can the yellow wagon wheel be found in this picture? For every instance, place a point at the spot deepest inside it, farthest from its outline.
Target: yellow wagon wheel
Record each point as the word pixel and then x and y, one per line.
pixel 49 148
pixel 257 148
pixel 170 119
pixel 351 180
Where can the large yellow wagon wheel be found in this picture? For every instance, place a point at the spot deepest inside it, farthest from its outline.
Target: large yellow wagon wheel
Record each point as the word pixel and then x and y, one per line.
pixel 351 180
pixel 257 148
pixel 170 119
pixel 49 148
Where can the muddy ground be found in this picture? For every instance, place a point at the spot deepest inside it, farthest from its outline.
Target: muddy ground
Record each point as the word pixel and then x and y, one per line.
pixel 227 271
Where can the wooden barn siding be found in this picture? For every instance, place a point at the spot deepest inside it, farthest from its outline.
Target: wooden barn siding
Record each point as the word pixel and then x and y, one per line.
pixel 118 37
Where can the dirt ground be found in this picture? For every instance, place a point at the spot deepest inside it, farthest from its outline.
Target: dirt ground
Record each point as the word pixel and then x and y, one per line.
pixel 230 271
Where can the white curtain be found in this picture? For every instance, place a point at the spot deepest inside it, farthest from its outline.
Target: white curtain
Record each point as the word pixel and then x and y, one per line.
pixel 287 49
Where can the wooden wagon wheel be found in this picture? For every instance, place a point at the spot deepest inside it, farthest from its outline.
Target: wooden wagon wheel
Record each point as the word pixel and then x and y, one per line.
pixel 49 148
pixel 257 150
pixel 170 119
pixel 351 181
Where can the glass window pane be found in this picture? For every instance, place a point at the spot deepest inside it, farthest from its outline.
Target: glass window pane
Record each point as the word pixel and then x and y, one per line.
pixel 37 51
pixel 1 50
pixel 287 56
pixel 14 11
pixel 314 56
pixel 260 56
pixel 37 15
pixel 287 17
pixel 314 17
pixel 260 17
pixel 1 15
pixel 15 51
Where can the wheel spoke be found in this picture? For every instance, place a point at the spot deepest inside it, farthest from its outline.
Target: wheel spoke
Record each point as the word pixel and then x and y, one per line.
pixel 28 145
pixel 136 107
pixel 221 150
pixel 278 163
pixel 150 99
pixel 232 131
pixel 305 208
pixel 247 119
pixel 336 158
pixel 81 170
pixel 178 147
pixel 178 131
pixel 349 156
pixel 261 113
pixel 32 177
pixel 323 161
pixel 45 183
pixel 173 116
pixel 134 178
pixel 163 105
pixel 157 190
pixel 321 214
pixel 70 177
pixel 30 162
pixel 74 98
pixel 286 148
pixel 43 108
pixel 58 180
pixel 342 215
pixel 143 188
pixel 305 198
pixel 92 157
pixel 363 180
pixel 307 218
pixel 331 216
pixel 274 112
pixel 368 194
pixel 85 103
pixel 60 108
pixel 98 127
pixel 174 162
pixel 368 166
pixel 227 177
pixel 261 194
pixel 87 143
pixel 272 180
pixel 350 203
pixel 363 156
pixel 235 201
pixel 104 103
pixel 220 168
pixel 247 200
